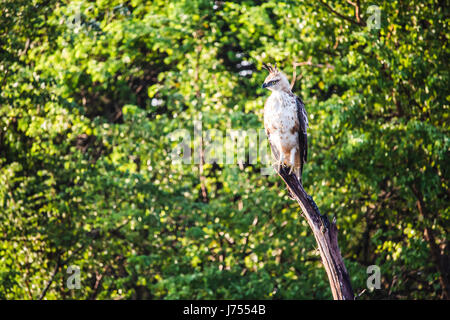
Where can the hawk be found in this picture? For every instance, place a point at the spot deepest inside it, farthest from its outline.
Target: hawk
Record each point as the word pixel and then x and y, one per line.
pixel 285 123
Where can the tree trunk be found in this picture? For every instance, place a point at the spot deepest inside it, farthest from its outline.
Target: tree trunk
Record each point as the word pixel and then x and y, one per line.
pixel 326 238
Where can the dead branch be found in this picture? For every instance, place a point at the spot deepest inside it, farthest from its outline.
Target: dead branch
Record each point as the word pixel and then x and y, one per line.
pixel 358 22
pixel 357 6
pixel 326 238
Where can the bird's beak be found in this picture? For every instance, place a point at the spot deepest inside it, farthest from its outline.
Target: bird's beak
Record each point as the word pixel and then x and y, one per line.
pixel 264 85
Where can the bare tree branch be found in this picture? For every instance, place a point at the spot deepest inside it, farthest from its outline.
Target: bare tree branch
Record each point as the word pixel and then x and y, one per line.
pixel 55 271
pixel 357 6
pixel 340 15
pixel 326 238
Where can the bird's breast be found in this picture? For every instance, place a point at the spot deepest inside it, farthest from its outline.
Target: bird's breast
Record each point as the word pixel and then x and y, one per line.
pixel 281 119
pixel 281 112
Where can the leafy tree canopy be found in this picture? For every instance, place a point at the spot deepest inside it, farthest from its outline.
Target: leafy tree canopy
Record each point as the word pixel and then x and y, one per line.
pixel 92 90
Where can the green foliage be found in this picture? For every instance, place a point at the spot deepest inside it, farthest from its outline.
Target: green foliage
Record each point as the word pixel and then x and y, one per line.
pixel 91 90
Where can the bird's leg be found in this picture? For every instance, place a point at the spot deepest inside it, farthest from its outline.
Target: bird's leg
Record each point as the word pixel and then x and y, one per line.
pixel 279 165
pixel 291 170
pixel 292 160
pixel 280 161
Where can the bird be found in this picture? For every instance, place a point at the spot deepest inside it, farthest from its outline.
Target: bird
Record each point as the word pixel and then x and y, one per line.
pixel 285 123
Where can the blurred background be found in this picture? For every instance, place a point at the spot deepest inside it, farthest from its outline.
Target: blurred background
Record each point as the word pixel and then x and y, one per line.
pixel 91 90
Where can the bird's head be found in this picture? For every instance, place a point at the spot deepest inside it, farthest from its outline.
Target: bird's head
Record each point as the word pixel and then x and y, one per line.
pixel 276 80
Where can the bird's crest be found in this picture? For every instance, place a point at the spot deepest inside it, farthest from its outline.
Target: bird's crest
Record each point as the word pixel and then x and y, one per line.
pixel 270 68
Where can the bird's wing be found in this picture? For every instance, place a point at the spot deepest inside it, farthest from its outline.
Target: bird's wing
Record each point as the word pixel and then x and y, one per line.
pixel 302 134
